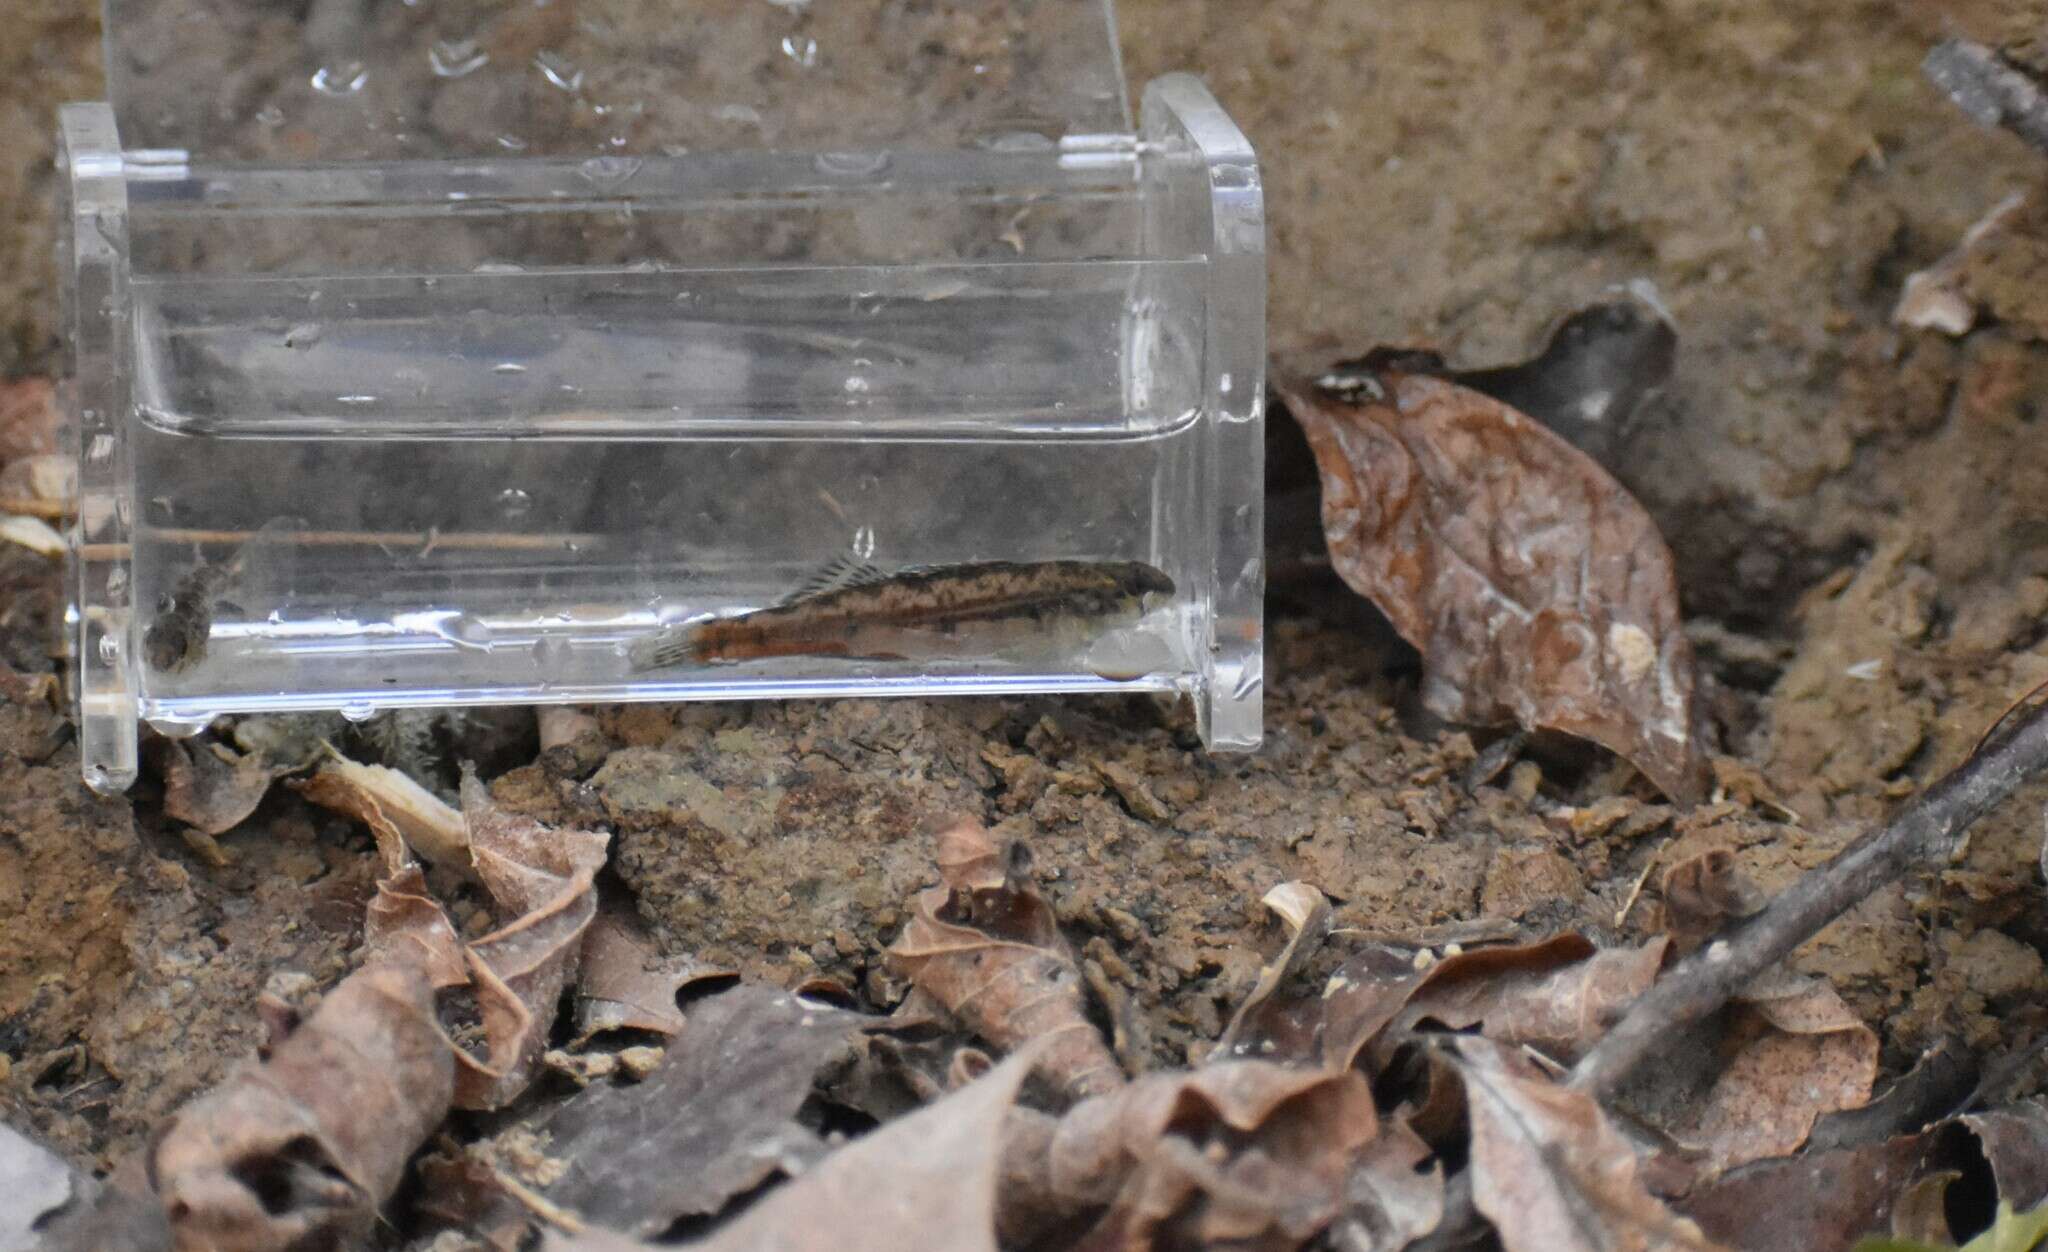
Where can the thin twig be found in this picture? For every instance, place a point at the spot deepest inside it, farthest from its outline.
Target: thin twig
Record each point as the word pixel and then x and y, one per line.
pixel 1926 830
pixel 1990 89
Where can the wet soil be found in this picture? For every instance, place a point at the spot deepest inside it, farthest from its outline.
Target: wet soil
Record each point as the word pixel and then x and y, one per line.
pixel 1855 508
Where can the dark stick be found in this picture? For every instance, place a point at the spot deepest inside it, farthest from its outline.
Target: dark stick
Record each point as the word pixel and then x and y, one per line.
pixel 1990 89
pixel 1926 830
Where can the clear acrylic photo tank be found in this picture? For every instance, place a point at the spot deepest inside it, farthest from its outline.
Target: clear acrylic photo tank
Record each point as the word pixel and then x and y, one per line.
pixel 425 352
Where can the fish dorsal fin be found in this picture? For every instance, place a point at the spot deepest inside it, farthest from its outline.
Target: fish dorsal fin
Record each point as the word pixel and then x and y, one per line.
pixel 838 574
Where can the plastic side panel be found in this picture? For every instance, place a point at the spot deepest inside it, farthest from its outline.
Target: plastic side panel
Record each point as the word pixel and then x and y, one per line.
pixel 94 260
pixel 1203 194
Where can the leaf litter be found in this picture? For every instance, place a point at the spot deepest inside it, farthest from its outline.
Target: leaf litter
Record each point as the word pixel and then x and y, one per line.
pixel 1536 588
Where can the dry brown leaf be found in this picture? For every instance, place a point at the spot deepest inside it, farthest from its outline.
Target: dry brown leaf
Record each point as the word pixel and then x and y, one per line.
pixel 1243 1154
pixel 1391 1199
pixel 1368 993
pixel 1783 1054
pixel 715 1120
pixel 1548 1168
pixel 1815 1202
pixel 2014 1140
pixel 546 877
pixel 1703 894
pixel 310 1141
pixel 626 984
pixel 428 826
pixel 209 786
pixel 1306 913
pixel 926 1181
pixel 1536 588
pixel 1559 1011
pixel 985 946
pixel 404 924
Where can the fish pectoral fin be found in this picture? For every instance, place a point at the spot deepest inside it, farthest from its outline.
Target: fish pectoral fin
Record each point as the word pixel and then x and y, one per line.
pixel 837 574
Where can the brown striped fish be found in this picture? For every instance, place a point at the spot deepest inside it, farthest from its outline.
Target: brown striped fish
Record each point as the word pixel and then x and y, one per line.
pixel 983 608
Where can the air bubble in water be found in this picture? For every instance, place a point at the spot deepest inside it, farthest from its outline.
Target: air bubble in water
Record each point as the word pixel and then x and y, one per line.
pixel 508 367
pixel 359 713
pixel 515 502
pixel 341 80
pixel 800 48
pixel 560 70
pixel 452 58
pixel 857 386
pixel 302 336
pixel 864 543
pixel 270 115
pixel 511 143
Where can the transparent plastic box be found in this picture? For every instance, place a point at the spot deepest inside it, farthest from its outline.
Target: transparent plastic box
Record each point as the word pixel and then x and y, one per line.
pixel 443 352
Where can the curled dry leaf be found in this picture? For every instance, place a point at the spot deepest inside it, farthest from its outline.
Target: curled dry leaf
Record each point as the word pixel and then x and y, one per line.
pixel 209 786
pixel 985 946
pixel 404 924
pixel 1241 1154
pixel 1548 1168
pixel 1557 996
pixel 2014 1140
pixel 545 879
pixel 1703 894
pixel 715 1120
pixel 1306 913
pixel 626 984
pixel 1751 1084
pixel 1536 588
pixel 428 825
pixel 1395 1194
pixel 307 1144
pixel 1512 996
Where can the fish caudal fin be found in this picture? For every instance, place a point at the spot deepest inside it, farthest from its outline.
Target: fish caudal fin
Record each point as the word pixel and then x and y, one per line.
pixel 678 645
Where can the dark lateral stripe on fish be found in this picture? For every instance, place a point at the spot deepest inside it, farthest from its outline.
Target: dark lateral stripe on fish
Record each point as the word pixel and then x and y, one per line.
pixel 944 599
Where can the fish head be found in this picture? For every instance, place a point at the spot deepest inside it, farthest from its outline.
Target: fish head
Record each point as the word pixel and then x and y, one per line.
pixel 1138 580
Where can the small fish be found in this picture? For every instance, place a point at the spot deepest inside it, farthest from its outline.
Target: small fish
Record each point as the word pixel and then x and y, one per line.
pixel 175 640
pixel 859 612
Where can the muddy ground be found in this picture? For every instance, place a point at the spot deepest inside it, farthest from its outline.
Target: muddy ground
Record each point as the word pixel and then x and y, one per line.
pixel 1857 513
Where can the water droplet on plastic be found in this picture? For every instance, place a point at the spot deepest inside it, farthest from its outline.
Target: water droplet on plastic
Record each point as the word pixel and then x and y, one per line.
pixel 508 367
pixel 101 449
pixel 856 386
pixel 869 302
pixel 511 143
pixel 515 502
pixel 744 114
pixel 560 70
pixel 609 171
pixel 864 542
pixel 270 115
pixel 852 164
pixel 359 713
pixel 452 58
pixel 178 727
pixel 467 631
pixel 110 649
pixel 302 336
pixel 341 80
pixel 356 399
pixel 800 48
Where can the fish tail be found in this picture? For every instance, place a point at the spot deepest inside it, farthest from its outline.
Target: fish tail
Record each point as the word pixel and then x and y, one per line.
pixel 677 645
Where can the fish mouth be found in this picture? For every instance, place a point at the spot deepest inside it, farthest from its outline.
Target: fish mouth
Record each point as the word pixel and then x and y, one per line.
pixel 1147 581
